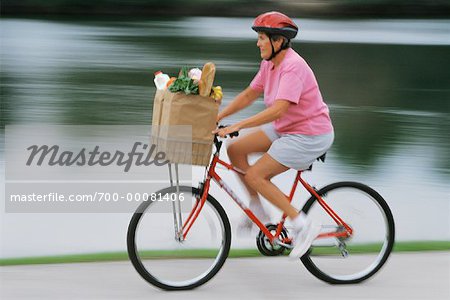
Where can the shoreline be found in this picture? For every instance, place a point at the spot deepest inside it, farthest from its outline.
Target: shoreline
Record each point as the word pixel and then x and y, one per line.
pixel 404 246
pixel 227 8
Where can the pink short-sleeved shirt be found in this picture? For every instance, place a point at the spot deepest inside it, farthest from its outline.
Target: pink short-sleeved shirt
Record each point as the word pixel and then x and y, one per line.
pixel 294 81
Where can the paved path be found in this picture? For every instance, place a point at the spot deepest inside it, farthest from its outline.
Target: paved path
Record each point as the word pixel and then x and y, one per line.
pixel 406 276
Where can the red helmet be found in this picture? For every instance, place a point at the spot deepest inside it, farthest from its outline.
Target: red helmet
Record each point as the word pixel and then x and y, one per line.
pixel 275 23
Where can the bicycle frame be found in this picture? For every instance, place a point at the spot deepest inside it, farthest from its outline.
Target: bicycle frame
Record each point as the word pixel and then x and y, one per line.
pixel 272 237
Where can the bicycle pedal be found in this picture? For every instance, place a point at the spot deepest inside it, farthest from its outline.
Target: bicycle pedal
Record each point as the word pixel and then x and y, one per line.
pixel 287 246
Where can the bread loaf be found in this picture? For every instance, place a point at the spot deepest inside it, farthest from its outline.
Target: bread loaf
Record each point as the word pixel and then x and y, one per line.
pixel 206 81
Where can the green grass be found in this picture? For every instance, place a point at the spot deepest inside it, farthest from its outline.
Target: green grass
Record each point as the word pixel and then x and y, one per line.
pixel 422 246
pixel 234 253
pixel 118 256
pixel 398 247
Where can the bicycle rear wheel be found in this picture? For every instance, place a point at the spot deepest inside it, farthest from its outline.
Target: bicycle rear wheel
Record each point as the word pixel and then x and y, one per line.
pixel 161 258
pixel 343 260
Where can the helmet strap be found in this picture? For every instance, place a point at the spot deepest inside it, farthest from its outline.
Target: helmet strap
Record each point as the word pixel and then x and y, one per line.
pixel 275 53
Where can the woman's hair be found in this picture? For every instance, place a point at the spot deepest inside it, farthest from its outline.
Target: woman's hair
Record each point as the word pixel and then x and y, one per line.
pixel 286 42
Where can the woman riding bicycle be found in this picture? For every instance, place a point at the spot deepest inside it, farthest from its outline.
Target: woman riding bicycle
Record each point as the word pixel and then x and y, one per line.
pixel 296 126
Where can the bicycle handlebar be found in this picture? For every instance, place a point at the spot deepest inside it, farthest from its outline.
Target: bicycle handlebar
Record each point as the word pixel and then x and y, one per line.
pixel 218 143
pixel 231 135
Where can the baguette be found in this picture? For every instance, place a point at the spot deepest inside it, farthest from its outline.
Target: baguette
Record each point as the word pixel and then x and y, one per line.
pixel 206 81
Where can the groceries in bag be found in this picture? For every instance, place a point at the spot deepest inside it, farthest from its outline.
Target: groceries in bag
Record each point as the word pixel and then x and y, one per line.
pixel 161 80
pixel 184 83
pixel 195 74
pixel 216 93
pixel 207 79
pixel 172 79
pixel 181 104
pixel 194 81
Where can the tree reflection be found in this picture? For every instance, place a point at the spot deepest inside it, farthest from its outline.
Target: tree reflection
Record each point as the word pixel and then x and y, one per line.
pixel 379 95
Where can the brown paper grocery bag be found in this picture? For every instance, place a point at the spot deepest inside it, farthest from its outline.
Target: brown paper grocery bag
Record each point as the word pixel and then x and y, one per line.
pixel 193 110
pixel 157 107
pixel 157 113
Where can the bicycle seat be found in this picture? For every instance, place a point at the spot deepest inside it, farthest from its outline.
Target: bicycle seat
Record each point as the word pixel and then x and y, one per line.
pixel 320 158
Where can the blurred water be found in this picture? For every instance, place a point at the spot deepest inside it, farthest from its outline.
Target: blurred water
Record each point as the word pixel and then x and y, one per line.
pixel 386 82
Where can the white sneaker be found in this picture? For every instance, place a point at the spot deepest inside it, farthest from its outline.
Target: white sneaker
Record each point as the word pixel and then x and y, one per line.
pixel 246 225
pixel 304 238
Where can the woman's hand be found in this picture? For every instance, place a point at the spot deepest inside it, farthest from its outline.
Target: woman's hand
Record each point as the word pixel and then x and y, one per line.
pixel 222 132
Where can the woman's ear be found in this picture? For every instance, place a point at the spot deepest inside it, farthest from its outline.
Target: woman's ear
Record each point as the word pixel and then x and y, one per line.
pixel 278 44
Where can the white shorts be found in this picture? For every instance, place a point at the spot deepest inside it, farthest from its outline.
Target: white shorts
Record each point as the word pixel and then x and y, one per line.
pixel 296 151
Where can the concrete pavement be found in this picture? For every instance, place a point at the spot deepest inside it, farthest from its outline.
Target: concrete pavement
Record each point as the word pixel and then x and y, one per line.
pixel 406 276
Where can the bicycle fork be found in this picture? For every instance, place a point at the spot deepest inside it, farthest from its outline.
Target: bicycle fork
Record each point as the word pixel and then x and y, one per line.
pixel 176 205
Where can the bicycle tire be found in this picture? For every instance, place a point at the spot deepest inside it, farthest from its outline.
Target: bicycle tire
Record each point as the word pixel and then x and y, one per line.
pixel 386 249
pixel 139 266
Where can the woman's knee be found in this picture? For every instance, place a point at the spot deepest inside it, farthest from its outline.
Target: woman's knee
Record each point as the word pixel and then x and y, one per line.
pixel 253 178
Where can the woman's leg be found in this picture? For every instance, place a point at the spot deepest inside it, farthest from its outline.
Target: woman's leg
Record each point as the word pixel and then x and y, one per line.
pixel 258 178
pixel 238 151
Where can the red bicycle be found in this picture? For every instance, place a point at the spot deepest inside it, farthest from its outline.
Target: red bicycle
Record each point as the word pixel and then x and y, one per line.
pixel 180 239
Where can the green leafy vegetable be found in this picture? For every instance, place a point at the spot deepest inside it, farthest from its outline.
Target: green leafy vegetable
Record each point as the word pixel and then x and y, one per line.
pixel 184 84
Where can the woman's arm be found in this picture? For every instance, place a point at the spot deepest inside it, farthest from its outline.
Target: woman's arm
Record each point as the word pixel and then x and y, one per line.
pixel 244 99
pixel 268 115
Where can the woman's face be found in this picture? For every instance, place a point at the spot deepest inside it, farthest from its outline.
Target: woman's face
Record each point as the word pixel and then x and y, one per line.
pixel 264 45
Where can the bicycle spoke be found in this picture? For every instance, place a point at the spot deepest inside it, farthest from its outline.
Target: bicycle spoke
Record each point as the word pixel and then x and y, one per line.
pixel 361 251
pixel 178 263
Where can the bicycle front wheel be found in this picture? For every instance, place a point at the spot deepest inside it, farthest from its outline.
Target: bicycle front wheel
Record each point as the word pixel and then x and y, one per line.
pixel 165 258
pixel 349 259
